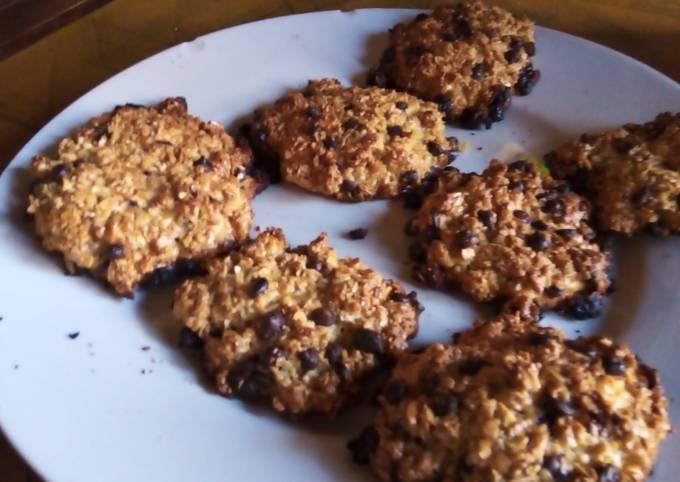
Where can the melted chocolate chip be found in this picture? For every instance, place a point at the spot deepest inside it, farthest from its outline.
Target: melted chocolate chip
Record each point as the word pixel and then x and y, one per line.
pixel 537 241
pixel 551 409
pixel 614 365
pixel 464 238
pixel 395 391
pixel 359 233
pixel 271 325
pixel 622 145
pixel 309 359
pixel 401 105
pixel 368 341
pixel 584 306
pixel 363 446
pixel 395 131
pixel 434 148
pixel 608 473
pixel 553 291
pixel 330 143
pixel 539 225
pixel 348 186
pixel 258 287
pixel 554 464
pixel 350 124
pixel 487 218
pixel 554 207
pixel 471 366
pixel 479 71
pixel 333 353
pixel 116 251
pixel 203 163
pixel 443 404
pixel 190 339
pixel 323 317
pixel 566 233
pixel 521 215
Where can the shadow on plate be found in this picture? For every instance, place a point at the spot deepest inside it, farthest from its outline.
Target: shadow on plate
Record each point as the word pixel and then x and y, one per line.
pixel 375 44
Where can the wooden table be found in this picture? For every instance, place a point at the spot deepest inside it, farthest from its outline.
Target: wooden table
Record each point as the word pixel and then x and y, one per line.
pixel 40 80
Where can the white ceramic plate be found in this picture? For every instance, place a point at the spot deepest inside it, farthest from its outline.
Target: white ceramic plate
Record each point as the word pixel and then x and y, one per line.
pixel 99 408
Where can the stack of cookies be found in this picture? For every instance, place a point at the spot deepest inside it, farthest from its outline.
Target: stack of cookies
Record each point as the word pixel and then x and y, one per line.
pixel 144 194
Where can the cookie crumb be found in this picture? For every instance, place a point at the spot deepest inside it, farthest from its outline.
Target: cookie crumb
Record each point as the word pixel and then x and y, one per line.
pixel 356 234
pixel 74 335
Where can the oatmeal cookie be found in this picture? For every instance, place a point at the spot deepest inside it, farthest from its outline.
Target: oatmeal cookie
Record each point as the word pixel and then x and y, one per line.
pixel 352 143
pixel 295 327
pixel 467 58
pixel 511 401
pixel 632 175
pixel 140 189
pixel 513 235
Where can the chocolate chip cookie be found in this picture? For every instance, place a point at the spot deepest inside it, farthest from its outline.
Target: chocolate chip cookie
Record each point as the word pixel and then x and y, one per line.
pixel 514 401
pixel 468 58
pixel 140 189
pixel 297 328
pixel 632 175
pixel 352 143
pixel 513 235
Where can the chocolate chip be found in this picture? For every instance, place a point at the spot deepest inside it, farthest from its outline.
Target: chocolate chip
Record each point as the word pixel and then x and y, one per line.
pixel 271 325
pixel 409 178
pixel 351 124
pixel 553 291
pixel 323 317
pixel 261 135
pixel 554 207
pixel 479 71
pixel 434 148
pixel 655 229
pixel 399 297
pixel 395 131
pixel 250 380
pixel 584 306
pixel 377 77
pixel 315 264
pixel 498 106
pixel 415 50
pixel 513 54
pixel 257 287
pixel 271 354
pixel 417 253
pixel 444 103
pixel 471 366
pixel 520 166
pixel 539 225
pixel 160 276
pixel 59 172
pixel 443 404
pixel 330 143
pixel 622 145
pixel 309 359
pixel 540 338
pixel 116 251
pixel 642 195
pixel 651 375
pixel 349 186
pixel 464 238
pixel 451 156
pixel 203 163
pixel 363 446
pixel 528 78
pixel 516 186
pixel 566 233
pixel 521 215
pixel 333 353
pixel 368 341
pixel 313 112
pixel 487 218
pixel 551 409
pixel 530 48
pixel 554 464
pixel 461 28
pixel 608 473
pixel 389 55
pixel 189 339
pixel 583 347
pixel 538 241
pixel 359 233
pixel 420 17
pixel 614 365
pixel 395 391
pixel 401 105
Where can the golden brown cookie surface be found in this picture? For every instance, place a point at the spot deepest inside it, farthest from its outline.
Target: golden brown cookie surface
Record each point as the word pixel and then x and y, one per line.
pixel 352 143
pixel 632 175
pixel 513 235
pixel 511 401
pixel 140 189
pixel 298 328
pixel 467 58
